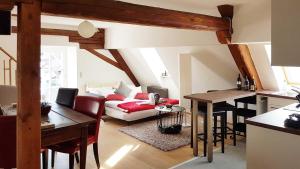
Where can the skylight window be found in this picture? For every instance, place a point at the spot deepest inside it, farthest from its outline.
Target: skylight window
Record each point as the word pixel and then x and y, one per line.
pixel 286 76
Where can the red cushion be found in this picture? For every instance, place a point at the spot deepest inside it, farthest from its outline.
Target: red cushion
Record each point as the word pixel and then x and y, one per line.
pixel 115 97
pixel 142 96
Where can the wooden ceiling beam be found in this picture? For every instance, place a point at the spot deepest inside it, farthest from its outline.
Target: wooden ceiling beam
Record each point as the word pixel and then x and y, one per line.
pixel 119 58
pixel 7 5
pixel 240 52
pixel 122 12
pixel 95 42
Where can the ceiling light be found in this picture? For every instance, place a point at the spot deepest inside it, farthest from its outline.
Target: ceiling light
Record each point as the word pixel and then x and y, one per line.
pixel 86 29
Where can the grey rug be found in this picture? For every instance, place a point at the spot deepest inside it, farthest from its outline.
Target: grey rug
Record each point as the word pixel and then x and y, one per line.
pixel 234 158
pixel 147 132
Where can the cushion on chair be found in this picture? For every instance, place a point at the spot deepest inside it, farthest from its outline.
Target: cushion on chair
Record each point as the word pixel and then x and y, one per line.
pixel 71 146
pixel 66 96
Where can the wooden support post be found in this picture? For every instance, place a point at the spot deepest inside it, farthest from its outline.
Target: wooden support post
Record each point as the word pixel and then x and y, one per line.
pixel 116 54
pixel 9 71
pixel 28 84
pixel 4 72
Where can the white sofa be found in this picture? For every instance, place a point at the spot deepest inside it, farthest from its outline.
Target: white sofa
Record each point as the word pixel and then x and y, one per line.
pixel 8 94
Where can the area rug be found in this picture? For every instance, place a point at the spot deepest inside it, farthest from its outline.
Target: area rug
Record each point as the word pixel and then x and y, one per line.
pixel 147 132
pixel 234 158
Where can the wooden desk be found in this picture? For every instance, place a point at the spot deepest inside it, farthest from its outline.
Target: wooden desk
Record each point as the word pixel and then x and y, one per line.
pixel 209 99
pixel 69 125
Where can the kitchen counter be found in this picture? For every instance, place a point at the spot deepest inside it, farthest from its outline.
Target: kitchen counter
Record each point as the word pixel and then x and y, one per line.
pixel 278 94
pixel 275 119
pixel 270 144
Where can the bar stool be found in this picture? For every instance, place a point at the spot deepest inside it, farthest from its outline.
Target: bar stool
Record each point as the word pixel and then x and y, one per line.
pixel 218 136
pixel 238 126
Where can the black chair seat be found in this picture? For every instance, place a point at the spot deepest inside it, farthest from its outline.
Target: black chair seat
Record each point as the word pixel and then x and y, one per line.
pixel 247 113
pixel 217 107
pixel 247 100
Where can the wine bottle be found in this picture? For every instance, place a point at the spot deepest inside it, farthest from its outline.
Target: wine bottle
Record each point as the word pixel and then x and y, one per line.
pixel 239 82
pixel 253 85
pixel 247 87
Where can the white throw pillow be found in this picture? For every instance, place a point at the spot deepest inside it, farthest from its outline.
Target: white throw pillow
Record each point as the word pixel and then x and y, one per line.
pixel 123 89
pixel 134 91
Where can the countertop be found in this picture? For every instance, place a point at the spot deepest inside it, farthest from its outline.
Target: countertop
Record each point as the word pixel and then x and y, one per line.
pixel 275 119
pixel 279 94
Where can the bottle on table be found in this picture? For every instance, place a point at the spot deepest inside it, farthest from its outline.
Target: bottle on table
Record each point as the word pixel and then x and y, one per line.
pixel 239 82
pixel 253 85
pixel 246 83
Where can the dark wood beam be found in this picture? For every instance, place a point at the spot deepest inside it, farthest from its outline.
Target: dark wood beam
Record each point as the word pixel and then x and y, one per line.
pixel 116 54
pixel 28 84
pixel 104 58
pixel 7 5
pixel 242 56
pixel 240 52
pixel 122 12
pixel 95 42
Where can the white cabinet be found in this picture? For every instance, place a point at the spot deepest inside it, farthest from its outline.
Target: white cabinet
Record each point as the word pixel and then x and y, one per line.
pixel 285 32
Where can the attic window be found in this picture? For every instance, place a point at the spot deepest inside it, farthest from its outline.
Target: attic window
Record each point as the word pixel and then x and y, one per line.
pixel 292 75
pixel 286 76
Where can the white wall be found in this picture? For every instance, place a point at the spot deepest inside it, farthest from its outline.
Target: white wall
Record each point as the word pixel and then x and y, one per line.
pixel 95 72
pixel 252 22
pixel 91 70
pixel 213 68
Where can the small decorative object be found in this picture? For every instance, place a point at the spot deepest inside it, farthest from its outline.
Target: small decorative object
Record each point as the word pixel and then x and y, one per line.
pixel 14 105
pixel 86 29
pixel 169 106
pixel 247 87
pixel 156 98
pixel 293 121
pixel 45 108
pixel 239 82
pixel 164 74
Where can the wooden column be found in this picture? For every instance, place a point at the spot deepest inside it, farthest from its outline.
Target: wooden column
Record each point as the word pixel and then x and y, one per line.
pixel 28 84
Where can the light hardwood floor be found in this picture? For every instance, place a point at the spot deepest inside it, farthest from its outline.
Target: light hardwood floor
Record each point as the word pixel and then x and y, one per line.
pixel 120 151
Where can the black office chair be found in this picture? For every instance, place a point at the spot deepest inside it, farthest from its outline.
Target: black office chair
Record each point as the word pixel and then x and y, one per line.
pixel 239 126
pixel 66 96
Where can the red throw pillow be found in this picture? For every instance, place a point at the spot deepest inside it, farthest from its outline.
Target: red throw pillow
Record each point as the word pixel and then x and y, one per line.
pixel 142 96
pixel 117 97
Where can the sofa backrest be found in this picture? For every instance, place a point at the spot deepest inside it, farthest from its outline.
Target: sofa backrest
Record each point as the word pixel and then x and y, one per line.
pixel 8 94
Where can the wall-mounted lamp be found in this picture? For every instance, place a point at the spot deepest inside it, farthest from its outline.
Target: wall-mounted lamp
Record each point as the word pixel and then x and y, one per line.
pixel 86 29
pixel 164 74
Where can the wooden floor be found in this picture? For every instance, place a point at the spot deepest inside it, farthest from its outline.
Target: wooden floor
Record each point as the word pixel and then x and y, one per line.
pixel 120 151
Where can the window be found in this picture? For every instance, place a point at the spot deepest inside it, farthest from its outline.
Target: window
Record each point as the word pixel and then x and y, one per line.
pixel 286 76
pixel 58 69
pixel 292 75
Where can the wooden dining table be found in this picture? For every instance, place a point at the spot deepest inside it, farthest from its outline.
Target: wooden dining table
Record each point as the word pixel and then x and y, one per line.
pixel 210 98
pixel 68 125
